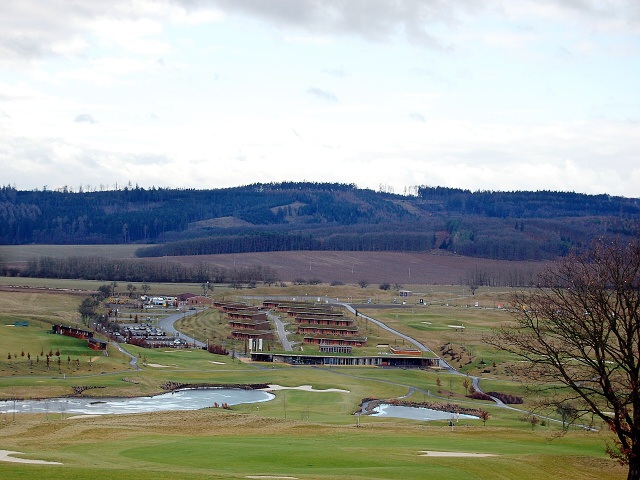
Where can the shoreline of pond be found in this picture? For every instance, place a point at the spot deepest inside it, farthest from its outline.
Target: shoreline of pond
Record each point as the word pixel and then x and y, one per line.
pixel 368 406
pixel 165 387
pixel 183 399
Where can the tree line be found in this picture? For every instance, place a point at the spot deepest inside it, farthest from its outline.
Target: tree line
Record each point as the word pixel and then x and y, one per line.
pixel 277 242
pixel 133 270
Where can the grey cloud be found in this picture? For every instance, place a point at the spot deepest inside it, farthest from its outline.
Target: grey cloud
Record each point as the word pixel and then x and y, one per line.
pixel 33 28
pixel 372 19
pixel 84 118
pixel 29 29
pixel 146 159
pixel 433 76
pixel 39 152
pixel 27 158
pixel 322 94
pixel 335 72
pixel 418 117
pixel 378 19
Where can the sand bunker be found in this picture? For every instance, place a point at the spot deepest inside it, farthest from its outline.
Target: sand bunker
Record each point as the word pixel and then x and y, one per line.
pixel 6 456
pixel 430 453
pixel 271 476
pixel 85 415
pixel 217 363
pixel 306 388
pixel 157 365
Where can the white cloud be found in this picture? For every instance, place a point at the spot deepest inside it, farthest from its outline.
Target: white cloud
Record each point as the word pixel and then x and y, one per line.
pixel 84 118
pixel 478 94
pixel 322 94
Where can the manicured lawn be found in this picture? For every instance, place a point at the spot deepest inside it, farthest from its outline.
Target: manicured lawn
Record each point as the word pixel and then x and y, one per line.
pixel 223 445
pixel 299 434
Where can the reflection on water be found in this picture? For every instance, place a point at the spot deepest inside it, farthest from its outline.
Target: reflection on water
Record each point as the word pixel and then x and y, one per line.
pixel 417 413
pixel 179 400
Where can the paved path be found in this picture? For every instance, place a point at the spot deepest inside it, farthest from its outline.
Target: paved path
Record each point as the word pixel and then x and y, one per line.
pixel 134 359
pixel 413 341
pixel 281 331
pixel 166 324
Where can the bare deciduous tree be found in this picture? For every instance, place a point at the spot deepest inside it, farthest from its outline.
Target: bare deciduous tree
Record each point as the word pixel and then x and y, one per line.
pixel 579 333
pixel 484 416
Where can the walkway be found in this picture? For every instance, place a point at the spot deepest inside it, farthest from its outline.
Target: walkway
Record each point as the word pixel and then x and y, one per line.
pixel 134 360
pixel 287 346
pixel 166 325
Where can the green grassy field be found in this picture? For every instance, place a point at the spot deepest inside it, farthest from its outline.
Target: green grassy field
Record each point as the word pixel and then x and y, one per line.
pixel 24 253
pixel 299 434
pixel 214 444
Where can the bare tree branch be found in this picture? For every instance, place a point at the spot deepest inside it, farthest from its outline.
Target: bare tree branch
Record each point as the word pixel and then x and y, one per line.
pixel 580 331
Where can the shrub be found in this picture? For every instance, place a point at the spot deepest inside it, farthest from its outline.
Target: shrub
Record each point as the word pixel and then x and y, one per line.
pixel 508 399
pixel 218 350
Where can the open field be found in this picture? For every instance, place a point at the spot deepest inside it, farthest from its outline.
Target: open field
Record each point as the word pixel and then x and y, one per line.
pixel 23 253
pixel 300 434
pixel 83 287
pixel 373 267
pixel 432 268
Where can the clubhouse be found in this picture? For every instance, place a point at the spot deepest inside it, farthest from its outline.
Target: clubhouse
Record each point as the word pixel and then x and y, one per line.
pixel 399 361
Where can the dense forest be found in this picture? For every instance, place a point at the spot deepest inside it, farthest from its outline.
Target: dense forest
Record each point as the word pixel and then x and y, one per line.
pixel 316 216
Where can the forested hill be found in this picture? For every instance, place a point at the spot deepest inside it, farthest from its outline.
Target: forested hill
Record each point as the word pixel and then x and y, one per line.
pixel 316 216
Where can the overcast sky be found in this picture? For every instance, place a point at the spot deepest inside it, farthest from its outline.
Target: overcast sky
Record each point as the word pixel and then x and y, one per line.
pixel 477 94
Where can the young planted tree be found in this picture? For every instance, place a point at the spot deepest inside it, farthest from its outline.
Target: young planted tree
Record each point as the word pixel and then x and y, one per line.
pixel 484 416
pixel 568 413
pixel 579 332
pixel 466 385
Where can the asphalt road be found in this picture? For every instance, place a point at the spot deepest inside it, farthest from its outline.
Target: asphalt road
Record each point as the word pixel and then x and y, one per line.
pixel 166 324
pixel 282 333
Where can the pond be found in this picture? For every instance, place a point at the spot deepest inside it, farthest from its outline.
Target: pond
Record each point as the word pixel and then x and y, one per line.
pixel 418 413
pixel 189 399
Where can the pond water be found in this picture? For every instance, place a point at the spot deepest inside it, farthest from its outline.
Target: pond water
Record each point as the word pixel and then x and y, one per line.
pixel 190 399
pixel 418 413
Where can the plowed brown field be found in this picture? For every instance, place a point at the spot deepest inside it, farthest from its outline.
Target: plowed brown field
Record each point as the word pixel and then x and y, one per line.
pixel 373 267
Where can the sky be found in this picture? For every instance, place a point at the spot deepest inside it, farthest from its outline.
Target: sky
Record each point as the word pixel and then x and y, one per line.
pixel 384 94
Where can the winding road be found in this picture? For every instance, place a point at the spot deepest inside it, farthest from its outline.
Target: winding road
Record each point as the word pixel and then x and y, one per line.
pixel 287 346
pixel 166 325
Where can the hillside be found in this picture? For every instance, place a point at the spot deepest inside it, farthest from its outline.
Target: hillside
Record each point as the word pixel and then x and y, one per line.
pixel 316 217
